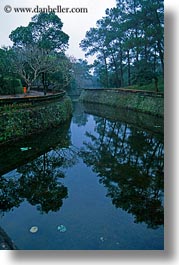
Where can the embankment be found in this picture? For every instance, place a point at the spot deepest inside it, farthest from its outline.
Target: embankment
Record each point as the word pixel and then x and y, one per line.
pixel 146 102
pixel 142 121
pixel 20 120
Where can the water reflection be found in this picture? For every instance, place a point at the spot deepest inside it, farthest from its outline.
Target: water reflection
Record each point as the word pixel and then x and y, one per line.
pixel 79 116
pixel 9 195
pixel 74 167
pixel 40 183
pixel 129 163
pixel 6 242
pixel 12 157
pixel 40 180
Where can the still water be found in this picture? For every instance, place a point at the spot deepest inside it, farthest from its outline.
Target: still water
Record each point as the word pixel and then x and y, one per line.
pixel 93 184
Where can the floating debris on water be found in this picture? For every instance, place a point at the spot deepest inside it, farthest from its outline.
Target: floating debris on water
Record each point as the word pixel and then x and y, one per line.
pixel 23 149
pixel 61 228
pixel 102 239
pixel 34 229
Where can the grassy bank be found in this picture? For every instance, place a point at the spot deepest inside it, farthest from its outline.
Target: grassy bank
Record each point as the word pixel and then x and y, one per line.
pixel 26 119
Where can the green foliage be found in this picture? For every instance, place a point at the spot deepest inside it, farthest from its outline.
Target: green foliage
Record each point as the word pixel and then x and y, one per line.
pixel 81 74
pixel 44 31
pixel 128 43
pixel 150 86
pixel 10 86
pixel 142 73
pixel 20 121
pixel 38 48
pixel 62 76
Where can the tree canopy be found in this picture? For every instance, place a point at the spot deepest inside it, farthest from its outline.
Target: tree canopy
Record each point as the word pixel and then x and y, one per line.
pixel 128 43
pixel 38 49
pixel 44 31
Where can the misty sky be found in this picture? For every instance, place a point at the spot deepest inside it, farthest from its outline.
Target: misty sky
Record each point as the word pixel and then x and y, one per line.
pixel 75 25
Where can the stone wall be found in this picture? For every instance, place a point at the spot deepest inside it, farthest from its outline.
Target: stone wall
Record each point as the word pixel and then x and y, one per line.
pixel 146 102
pixel 17 121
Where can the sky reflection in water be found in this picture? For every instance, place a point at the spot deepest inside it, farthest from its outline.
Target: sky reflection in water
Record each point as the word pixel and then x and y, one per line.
pixel 100 177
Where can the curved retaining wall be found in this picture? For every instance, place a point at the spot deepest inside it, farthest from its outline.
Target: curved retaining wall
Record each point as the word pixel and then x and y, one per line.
pixel 18 121
pixel 147 102
pixel 31 99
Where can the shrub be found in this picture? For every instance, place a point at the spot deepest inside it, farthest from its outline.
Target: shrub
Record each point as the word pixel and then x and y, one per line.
pixel 10 86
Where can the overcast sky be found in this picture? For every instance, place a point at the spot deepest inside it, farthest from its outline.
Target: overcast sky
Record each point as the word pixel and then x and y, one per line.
pixel 75 25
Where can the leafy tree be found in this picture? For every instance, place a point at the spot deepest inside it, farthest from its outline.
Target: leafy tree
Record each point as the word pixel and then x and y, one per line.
pixel 30 62
pixel 2 62
pixel 10 82
pixel 129 36
pixel 38 49
pixel 62 77
pixel 5 62
pixel 94 44
pixel 3 68
pixel 44 31
pixel 81 73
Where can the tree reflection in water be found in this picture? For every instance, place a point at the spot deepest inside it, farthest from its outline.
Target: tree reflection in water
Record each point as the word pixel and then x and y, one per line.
pixel 9 194
pixel 39 182
pixel 129 163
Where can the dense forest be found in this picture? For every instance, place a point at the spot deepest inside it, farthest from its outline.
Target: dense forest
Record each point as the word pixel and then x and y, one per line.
pixel 128 45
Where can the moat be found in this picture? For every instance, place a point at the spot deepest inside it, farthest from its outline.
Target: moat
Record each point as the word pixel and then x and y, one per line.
pixel 95 183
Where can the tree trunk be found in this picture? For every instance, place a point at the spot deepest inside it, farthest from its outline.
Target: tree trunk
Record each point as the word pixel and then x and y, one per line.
pixel 106 69
pixel 159 42
pixel 161 55
pixel 44 83
pixel 121 67
pixel 136 33
pixel 156 84
pixel 116 71
pixel 155 61
pixel 137 47
pixel 28 87
pixel 129 68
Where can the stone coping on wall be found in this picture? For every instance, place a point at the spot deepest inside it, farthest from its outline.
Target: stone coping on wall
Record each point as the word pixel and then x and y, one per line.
pixel 30 98
pixel 128 91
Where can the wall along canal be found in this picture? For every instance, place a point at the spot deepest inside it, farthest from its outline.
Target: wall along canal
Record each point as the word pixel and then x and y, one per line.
pixel 94 184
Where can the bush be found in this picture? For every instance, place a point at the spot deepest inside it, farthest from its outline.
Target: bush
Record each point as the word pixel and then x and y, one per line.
pixel 10 86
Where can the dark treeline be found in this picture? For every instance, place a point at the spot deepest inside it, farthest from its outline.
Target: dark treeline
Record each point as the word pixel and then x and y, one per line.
pixel 39 181
pixel 128 43
pixel 129 163
pixel 37 59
